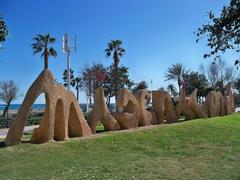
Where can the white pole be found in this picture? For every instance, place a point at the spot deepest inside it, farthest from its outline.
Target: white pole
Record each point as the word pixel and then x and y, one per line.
pixel 151 90
pixel 87 103
pixel 68 70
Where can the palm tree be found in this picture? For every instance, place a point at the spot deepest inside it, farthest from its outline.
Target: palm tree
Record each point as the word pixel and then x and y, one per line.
pixel 115 50
pixel 3 31
pixel 41 45
pixel 79 83
pixel 75 82
pixel 72 79
pixel 175 72
pixel 172 90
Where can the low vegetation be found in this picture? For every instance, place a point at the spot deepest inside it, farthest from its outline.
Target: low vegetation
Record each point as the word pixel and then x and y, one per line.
pixel 197 149
pixel 33 119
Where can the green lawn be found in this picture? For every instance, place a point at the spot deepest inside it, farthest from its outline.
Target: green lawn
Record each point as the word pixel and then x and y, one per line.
pixel 197 149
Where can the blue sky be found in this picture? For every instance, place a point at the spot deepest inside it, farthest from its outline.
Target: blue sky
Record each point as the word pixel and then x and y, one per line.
pixel 155 34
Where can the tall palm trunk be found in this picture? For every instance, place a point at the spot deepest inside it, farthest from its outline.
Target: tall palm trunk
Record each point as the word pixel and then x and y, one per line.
pixel 77 92
pixel 45 59
pixel 108 102
pixel 179 85
pixel 116 61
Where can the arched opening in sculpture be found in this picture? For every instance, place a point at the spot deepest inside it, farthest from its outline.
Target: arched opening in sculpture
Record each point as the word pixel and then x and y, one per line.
pixel 59 122
pixel 15 133
pixel 34 117
pixel 74 128
pixel 38 134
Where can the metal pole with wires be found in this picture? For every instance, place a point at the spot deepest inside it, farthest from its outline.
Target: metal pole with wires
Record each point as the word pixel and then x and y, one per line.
pixel 66 49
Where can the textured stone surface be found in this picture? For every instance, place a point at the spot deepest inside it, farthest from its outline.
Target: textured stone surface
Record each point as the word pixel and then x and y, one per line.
pixel 183 107
pixel 154 118
pixel 101 113
pixel 194 106
pixel 126 120
pixel 222 110
pixel 130 116
pixel 146 117
pixel 211 106
pixel 218 105
pixel 163 107
pixel 230 100
pixel 63 117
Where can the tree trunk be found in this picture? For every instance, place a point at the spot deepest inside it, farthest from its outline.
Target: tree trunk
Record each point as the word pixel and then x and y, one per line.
pixel 116 62
pixel 45 59
pixel 5 111
pixel 179 85
pixel 90 100
pixel 77 93
pixel 108 102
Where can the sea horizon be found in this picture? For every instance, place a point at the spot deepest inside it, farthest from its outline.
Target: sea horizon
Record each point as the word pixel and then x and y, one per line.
pixel 42 106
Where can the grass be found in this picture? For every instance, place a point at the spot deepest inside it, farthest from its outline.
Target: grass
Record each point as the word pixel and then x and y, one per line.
pixel 198 149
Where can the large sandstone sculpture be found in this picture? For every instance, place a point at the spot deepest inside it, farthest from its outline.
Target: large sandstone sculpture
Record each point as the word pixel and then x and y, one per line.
pixel 183 107
pixel 211 106
pixel 101 113
pixel 194 106
pixel 63 117
pixel 130 116
pixel 218 105
pixel 229 100
pixel 222 110
pixel 163 107
pixel 146 117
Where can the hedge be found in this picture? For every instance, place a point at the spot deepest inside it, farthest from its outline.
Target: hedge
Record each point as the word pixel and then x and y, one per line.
pixel 33 119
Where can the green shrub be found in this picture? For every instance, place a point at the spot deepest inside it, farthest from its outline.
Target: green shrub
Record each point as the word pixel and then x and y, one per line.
pixel 33 119
pixel 5 122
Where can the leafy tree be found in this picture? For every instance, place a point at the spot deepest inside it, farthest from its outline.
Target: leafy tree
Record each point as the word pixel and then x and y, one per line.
pixel 236 85
pixel 89 78
pixel 222 32
pixel 195 80
pixel 161 88
pixel 139 86
pixel 172 90
pixel 3 31
pixel 78 86
pixel 8 93
pixel 174 73
pixel 41 45
pixel 56 82
pixel 115 50
pixel 124 82
pixel 72 79
pixel 219 74
pixel 74 82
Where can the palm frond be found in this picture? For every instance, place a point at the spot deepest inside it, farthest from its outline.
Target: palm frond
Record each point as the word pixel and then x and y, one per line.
pixel 121 52
pixel 52 40
pixel 108 52
pixel 174 72
pixel 115 45
pixel 38 50
pixel 52 52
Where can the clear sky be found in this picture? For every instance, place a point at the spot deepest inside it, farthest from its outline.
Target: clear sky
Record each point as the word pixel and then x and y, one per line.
pixel 155 34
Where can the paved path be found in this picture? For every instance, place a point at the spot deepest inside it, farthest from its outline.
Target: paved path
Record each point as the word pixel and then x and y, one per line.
pixel 3 132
